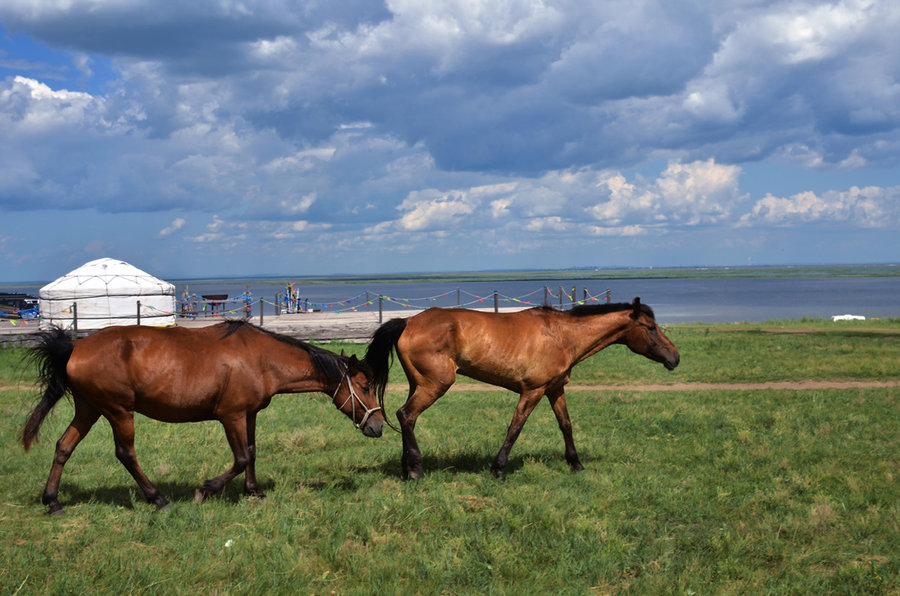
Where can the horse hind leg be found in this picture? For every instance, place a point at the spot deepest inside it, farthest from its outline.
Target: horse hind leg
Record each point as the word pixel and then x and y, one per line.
pixel 236 432
pixel 251 488
pixel 84 419
pixel 123 435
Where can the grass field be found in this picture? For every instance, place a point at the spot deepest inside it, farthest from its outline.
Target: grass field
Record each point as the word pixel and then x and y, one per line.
pixel 688 492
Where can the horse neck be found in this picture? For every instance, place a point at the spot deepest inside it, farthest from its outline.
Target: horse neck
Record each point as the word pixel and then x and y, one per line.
pixel 291 370
pixel 592 333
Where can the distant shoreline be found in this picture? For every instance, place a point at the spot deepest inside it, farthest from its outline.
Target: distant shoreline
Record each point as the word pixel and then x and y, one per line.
pixel 747 271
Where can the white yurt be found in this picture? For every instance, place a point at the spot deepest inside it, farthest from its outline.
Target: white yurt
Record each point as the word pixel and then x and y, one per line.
pixel 107 292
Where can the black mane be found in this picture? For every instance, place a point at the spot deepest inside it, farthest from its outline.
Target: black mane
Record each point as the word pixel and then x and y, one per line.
pixel 588 310
pixel 332 365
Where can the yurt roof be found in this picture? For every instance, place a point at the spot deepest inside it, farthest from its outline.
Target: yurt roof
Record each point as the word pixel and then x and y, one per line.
pixel 106 277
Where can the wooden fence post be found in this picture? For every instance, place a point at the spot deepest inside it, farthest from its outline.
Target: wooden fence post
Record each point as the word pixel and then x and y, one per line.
pixel 138 312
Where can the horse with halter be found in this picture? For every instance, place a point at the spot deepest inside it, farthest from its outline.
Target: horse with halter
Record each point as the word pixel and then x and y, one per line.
pixel 226 372
pixel 530 352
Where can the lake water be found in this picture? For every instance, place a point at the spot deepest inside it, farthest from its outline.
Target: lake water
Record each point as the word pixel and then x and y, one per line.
pixel 674 300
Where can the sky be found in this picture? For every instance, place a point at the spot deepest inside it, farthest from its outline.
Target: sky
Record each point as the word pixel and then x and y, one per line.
pixel 316 137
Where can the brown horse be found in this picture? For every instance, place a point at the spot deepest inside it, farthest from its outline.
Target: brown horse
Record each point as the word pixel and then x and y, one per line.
pixel 530 352
pixel 226 372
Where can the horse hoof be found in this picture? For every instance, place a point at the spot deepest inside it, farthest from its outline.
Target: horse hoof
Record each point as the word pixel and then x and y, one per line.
pixel 200 496
pixel 56 510
pixel 498 473
pixel 162 507
pixel 255 494
pixel 413 474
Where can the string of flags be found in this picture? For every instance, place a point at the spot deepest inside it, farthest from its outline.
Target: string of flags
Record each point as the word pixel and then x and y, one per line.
pixel 290 301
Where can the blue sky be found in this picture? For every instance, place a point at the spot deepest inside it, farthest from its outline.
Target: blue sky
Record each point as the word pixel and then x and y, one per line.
pixel 292 137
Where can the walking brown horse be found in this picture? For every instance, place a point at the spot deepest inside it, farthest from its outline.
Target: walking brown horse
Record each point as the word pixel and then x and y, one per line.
pixel 530 352
pixel 226 372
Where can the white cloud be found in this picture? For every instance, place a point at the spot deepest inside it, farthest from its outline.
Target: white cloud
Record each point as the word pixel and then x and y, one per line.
pixel 431 208
pixel 817 32
pixel 711 101
pixel 870 207
pixel 279 48
pixel 500 207
pixel 82 63
pixel 701 192
pixel 220 230
pixel 29 107
pixel 541 224
pixel 176 225
pixel 300 205
pixel 617 231
pixel 290 231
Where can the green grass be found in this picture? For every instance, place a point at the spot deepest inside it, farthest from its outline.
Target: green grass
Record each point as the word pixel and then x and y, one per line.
pixel 684 492
pixel 777 351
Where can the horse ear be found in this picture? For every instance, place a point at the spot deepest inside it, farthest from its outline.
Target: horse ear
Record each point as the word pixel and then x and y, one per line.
pixel 352 363
pixel 636 307
pixel 343 353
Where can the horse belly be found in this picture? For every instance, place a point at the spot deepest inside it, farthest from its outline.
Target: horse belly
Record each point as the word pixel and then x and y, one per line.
pixel 498 365
pixel 169 409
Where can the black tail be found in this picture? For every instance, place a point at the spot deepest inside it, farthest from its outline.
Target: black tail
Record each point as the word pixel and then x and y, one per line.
pixel 51 356
pixel 379 355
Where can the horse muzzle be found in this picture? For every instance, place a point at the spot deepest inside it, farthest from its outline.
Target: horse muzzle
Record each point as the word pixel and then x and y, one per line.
pixel 372 428
pixel 671 363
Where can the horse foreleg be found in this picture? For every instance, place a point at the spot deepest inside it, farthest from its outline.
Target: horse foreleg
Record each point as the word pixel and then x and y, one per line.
pixel 250 487
pixel 527 401
pixel 236 432
pixel 419 399
pixel 558 403
pixel 85 417
pixel 123 435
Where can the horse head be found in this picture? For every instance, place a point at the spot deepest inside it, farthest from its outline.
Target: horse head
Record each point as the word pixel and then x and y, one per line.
pixel 643 336
pixel 356 399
